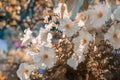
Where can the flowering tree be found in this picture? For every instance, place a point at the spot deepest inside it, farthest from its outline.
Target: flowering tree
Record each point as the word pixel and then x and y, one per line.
pixel 67 49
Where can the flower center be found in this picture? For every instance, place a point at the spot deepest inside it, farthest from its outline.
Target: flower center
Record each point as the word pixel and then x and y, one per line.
pixel 100 14
pixel 68 26
pixel 45 56
pixel 83 17
pixel 26 71
pixel 83 41
pixel 115 36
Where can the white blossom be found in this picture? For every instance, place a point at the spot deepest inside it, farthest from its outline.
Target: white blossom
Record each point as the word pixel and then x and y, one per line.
pixel 44 37
pixel 81 19
pixel 75 60
pixel 61 10
pixel 113 35
pixel 98 15
pixel 24 71
pixel 116 14
pixel 68 27
pixel 27 36
pixel 81 42
pixel 47 56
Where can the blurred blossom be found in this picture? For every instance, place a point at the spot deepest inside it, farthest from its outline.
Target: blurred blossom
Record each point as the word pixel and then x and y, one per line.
pixel 80 46
pixel 44 37
pixel 68 27
pixel 116 13
pixel 46 56
pixel 81 19
pixel 82 40
pixel 75 60
pixel 61 10
pixel 24 71
pixel 98 15
pixel 27 36
pixel 113 35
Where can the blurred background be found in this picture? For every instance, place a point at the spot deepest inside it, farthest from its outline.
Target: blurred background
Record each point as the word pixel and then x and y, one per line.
pixel 15 17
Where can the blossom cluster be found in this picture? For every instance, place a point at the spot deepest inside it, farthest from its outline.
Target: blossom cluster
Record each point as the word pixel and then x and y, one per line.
pixel 88 26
